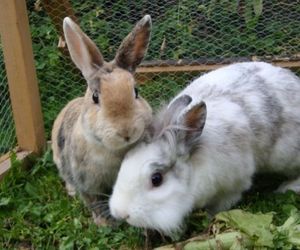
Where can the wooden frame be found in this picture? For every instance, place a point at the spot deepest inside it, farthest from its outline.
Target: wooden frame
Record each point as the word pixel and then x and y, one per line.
pixel 5 161
pixel 151 67
pixel 21 75
pixel 147 70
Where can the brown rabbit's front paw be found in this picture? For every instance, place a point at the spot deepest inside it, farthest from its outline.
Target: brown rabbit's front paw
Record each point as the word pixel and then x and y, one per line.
pixel 70 189
pixel 99 220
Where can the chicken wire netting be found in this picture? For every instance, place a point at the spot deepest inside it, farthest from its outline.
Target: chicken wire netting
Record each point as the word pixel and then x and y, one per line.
pixel 7 128
pixel 187 32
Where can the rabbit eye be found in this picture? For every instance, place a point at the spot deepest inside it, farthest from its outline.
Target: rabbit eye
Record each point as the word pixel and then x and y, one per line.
pixel 136 91
pixel 95 97
pixel 156 179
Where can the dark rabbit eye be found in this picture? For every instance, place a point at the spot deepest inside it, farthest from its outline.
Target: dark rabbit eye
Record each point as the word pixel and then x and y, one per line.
pixel 136 91
pixel 95 97
pixel 156 179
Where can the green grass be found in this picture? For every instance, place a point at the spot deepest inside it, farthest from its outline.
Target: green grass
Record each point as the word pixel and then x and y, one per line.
pixel 36 213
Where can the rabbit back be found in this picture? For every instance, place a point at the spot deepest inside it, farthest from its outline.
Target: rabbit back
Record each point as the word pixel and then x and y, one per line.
pixel 268 99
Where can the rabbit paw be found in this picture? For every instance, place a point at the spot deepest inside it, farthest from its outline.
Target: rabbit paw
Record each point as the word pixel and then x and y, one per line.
pixel 99 220
pixel 293 185
pixel 70 189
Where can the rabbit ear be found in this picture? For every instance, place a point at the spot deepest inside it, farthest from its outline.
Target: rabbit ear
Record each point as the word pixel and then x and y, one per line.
pixel 83 51
pixel 186 123
pixel 179 104
pixel 134 46
pixel 194 119
pixel 175 108
pixel 193 122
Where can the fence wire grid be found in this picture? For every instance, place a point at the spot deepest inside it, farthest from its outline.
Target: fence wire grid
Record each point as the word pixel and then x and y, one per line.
pixel 187 31
pixel 7 128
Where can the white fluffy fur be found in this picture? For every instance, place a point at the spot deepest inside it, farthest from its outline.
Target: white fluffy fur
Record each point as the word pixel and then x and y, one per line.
pixel 252 125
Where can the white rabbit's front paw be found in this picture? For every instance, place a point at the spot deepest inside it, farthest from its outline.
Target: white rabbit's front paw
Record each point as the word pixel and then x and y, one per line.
pixel 293 185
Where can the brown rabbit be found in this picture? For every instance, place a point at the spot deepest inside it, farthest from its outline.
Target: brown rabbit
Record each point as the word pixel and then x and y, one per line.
pixel 92 133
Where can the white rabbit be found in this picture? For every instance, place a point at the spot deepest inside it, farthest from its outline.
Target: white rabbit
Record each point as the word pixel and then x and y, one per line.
pixel 208 142
pixel 92 133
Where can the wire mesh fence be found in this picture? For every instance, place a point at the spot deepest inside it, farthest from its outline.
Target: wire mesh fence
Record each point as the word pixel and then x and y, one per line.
pixel 184 33
pixel 7 128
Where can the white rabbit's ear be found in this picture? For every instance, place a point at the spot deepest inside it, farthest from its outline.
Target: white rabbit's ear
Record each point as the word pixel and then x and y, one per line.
pixel 134 46
pixel 83 51
pixel 175 108
pixel 193 121
pixel 179 104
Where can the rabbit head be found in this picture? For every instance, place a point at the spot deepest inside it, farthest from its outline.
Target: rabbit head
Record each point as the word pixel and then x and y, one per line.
pixel 153 187
pixel 113 112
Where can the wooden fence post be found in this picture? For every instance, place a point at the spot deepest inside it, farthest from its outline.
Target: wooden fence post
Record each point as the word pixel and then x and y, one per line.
pixel 21 75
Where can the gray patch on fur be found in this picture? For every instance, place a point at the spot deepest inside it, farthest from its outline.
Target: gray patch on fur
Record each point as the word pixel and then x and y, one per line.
pixel 65 131
pixel 270 116
pixel 65 170
pixel 272 111
pixel 82 177
pixel 61 138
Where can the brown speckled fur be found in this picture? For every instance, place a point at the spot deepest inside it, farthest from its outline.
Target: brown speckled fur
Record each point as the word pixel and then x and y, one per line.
pixel 89 140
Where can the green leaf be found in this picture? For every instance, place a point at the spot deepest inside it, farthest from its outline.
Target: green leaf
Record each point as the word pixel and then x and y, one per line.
pixel 31 190
pixel 67 243
pixel 50 217
pixel 77 223
pixel 291 228
pixel 4 201
pixel 257 226
pixel 36 211
pixel 228 240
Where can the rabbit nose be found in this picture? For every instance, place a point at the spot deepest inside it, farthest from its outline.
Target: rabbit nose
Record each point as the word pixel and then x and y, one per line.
pixel 121 215
pixel 125 216
pixel 125 135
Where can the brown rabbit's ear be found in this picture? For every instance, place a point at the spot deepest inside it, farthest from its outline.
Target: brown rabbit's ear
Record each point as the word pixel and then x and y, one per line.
pixel 83 51
pixel 134 46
